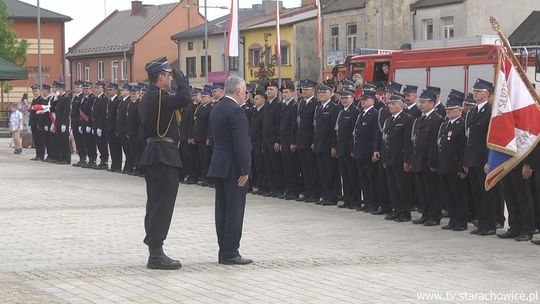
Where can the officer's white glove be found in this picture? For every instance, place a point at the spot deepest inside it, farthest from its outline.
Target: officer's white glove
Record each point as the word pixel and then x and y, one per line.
pixel 80 129
pixel 88 130
pixel 63 128
pixel 98 132
pixel 46 128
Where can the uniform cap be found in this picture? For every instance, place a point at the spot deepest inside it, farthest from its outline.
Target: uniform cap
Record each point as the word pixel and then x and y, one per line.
pixel 157 66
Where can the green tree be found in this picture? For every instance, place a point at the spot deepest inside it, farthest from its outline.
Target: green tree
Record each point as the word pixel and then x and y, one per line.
pixel 267 70
pixel 11 48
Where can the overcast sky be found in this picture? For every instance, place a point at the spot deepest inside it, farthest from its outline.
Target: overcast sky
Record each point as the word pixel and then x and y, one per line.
pixel 86 14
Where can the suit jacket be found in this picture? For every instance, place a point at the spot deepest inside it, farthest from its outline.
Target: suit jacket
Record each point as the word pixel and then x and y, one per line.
pixel 451 144
pixel 476 127
pixel 304 120
pixel 62 110
pixel 344 130
pixel 396 142
pixel 132 118
pixel 441 110
pixel 112 114
pixel 424 142
pixel 414 112
pixel 99 112
pixel 248 110
pixel 287 125
pixel 201 122
pixel 366 134
pixel 121 120
pixel 231 156
pixel 256 126
pixel 271 122
pixel 324 136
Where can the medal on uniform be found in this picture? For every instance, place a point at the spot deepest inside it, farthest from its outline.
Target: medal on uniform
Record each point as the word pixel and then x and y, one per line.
pixel 449 134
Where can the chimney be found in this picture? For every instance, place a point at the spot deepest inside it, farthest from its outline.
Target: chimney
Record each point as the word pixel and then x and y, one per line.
pixel 136 7
pixel 269 6
pixel 308 3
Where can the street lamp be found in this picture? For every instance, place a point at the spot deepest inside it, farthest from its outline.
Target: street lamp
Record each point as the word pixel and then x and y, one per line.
pixel 188 5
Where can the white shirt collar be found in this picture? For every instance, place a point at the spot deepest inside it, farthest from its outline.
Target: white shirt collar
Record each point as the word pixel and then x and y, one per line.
pixel 124 99
pixel 397 114
pixel 112 98
pixel 233 99
pixel 428 113
pixel 366 110
pixel 326 103
pixel 347 107
pixel 411 106
pixel 454 120
pixel 100 95
pixel 481 105
pixel 309 99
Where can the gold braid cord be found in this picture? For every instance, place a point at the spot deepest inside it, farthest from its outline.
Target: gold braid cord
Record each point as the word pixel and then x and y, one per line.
pixel 159 119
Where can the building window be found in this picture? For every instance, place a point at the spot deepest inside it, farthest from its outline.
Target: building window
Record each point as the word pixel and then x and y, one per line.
pixel 79 71
pixel 427 29
pixel 124 69
pixel 190 46
pixel 203 65
pixel 100 71
pixel 191 66
pixel 285 55
pixel 255 57
pixel 114 71
pixel 87 71
pixel 351 38
pixel 334 38
pixel 447 27
pixel 233 63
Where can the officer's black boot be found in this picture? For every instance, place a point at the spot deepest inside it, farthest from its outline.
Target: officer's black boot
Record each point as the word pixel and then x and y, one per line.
pixel 103 165
pixel 158 260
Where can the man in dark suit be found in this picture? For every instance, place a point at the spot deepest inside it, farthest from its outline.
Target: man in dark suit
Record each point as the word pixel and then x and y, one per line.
pixel 231 166
pixel 87 104
pixel 76 123
pixel 396 146
pixel 304 139
pixel 256 124
pixel 133 134
pixel 366 132
pixel 450 144
pixel 121 124
pixel 113 137
pixel 475 158
pixel 287 136
pixel 344 147
pixel 422 160
pixel 411 107
pixel 271 143
pixel 99 125
pixel 62 124
pixel 158 116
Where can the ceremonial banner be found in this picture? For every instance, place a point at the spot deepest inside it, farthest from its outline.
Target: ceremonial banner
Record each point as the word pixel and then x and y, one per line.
pixel 232 46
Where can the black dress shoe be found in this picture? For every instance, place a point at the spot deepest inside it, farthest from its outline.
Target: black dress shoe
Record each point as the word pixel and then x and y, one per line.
pixel 159 260
pixel 536 242
pixel 35 158
pixel 328 203
pixel 267 194
pixel 487 232
pixel 311 200
pixel 377 212
pixel 351 206
pixel 402 219
pixel 291 197
pixel 523 237
pixel 236 261
pixel 301 199
pixel 419 221
pixel 459 228
pixel 475 231
pixel 319 202
pixel 391 217
pixel 508 235
pixel 431 223
pixel 447 227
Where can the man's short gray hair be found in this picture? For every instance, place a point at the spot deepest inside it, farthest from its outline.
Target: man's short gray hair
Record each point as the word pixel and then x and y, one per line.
pixel 232 83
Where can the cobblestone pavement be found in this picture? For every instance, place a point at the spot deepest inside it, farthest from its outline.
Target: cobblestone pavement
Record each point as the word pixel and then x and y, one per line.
pixel 72 235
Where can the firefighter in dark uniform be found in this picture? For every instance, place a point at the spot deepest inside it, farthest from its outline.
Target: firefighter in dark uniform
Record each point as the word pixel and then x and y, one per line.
pixel 271 144
pixel 35 124
pixel 304 139
pixel 345 143
pixel 76 124
pixel 133 136
pixel 48 124
pixel 411 107
pixel 121 125
pixel 85 112
pixel 450 145
pixel 371 87
pixel 199 134
pixel 256 131
pixel 324 145
pixel 475 158
pixel 62 124
pixel 217 91
pixel 468 105
pixel 423 160
pixel 159 116
pixel 396 146
pixel 287 135
pixel 530 172
pixel 188 148
pixel 348 85
pixel 366 134
pixel 99 125
pixel 113 136
pixel 439 107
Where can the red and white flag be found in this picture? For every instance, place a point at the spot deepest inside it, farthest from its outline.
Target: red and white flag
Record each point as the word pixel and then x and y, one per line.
pixel 232 45
pixel 514 127
pixel 278 33
pixel 319 51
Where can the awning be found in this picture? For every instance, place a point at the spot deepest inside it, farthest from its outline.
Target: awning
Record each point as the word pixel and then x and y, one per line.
pixel 11 71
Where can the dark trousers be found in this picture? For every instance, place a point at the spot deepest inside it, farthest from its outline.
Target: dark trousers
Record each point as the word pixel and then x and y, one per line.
pixel 230 206
pixel 399 192
pixel 273 169
pixel 383 195
pixel 452 188
pixel 126 148
pixel 115 147
pixel 190 160
pixel 136 148
pixel 519 201
pixel 161 190
pixel 259 175
pixel 535 185
pixel 367 173
pixel 51 144
pixel 204 152
pixel 103 146
pixel 79 143
pixel 310 173
pixel 427 188
pixel 349 176
pixel 64 148
pixel 291 172
pixel 485 202
pixel 90 144
pixel 39 142
pixel 328 175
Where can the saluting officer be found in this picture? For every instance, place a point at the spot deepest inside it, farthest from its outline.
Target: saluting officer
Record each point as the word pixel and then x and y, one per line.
pixel 450 144
pixel 423 160
pixel 366 133
pixel 344 147
pixel 271 143
pixel 113 136
pixel 62 124
pixel 159 116
pixel 411 107
pixel 121 124
pixel 36 125
pixel 99 125
pixel 396 146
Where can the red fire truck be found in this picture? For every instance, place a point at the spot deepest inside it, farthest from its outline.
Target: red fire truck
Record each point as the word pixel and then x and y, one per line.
pixel 447 68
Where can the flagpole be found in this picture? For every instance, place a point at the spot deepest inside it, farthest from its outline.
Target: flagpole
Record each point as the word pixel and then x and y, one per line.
pixel 496 27
pixel 278 42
